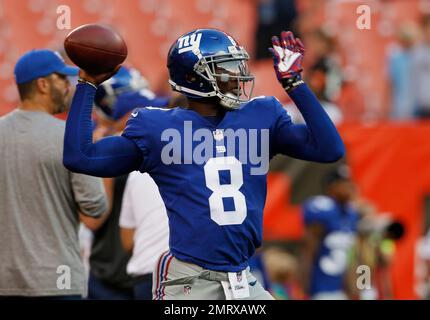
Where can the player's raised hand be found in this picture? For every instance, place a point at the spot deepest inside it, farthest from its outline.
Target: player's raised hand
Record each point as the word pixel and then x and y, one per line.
pixel 287 53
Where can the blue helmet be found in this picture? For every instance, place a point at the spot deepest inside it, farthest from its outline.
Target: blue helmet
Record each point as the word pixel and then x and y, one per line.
pixel 203 60
pixel 125 80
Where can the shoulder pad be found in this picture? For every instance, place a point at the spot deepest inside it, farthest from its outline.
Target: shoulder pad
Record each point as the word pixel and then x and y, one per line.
pixel 321 203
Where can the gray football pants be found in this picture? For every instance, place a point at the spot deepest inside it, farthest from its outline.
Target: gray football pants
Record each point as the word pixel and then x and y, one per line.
pixel 178 280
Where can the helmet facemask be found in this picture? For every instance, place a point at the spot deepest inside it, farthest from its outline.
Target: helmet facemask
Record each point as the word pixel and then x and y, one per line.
pixel 229 76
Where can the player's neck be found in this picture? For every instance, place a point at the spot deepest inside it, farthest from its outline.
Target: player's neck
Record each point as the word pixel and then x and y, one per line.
pixel 205 109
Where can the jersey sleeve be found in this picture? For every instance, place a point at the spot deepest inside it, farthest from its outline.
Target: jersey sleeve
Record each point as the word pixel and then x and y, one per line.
pixel 141 128
pixel 317 140
pixel 109 157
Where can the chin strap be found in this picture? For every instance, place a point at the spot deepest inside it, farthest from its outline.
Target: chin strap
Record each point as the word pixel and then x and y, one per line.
pixel 179 88
pixel 225 100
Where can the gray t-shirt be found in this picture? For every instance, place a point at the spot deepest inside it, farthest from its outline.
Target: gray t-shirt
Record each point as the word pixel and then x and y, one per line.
pixel 39 205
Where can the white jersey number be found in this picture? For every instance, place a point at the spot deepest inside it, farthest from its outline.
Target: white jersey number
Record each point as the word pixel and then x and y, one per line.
pixel 336 261
pixel 220 191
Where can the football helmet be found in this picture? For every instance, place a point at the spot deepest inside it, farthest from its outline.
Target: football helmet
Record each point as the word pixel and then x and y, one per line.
pixel 209 63
pixel 125 80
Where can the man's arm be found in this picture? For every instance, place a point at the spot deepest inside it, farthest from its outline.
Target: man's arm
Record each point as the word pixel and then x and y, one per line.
pixel 318 140
pixel 127 216
pixel 95 223
pixel 90 196
pixel 108 157
pixel 127 239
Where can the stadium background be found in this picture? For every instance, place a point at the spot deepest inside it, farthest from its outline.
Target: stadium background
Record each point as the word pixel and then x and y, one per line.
pixel 389 160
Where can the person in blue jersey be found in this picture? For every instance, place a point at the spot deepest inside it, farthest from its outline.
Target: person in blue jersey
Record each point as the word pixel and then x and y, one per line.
pixel 209 160
pixel 331 224
pixel 125 91
pixel 116 97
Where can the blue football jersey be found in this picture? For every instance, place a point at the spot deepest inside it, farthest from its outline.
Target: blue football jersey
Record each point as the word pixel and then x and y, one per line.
pixel 340 225
pixel 212 177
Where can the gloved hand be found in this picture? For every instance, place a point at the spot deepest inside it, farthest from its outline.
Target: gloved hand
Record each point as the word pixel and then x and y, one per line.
pixel 287 59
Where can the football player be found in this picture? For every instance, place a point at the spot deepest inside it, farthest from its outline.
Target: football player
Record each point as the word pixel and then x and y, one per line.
pixel 331 225
pixel 209 160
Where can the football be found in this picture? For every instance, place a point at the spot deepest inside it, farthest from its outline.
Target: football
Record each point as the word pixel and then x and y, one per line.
pixel 95 48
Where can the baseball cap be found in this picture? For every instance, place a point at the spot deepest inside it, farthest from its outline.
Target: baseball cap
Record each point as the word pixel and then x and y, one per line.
pixel 40 63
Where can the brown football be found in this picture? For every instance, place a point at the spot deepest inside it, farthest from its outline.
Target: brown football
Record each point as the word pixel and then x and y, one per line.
pixel 95 48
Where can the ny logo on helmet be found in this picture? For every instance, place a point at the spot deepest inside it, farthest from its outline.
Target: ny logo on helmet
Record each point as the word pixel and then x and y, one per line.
pixel 189 42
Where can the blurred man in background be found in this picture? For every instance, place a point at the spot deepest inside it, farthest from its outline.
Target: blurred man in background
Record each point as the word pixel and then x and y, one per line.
pixel 273 17
pixel 40 199
pixel 420 70
pixel 326 58
pixel 331 224
pixel 400 76
pixel 377 237
pixel 144 230
pixel 317 77
pixel 423 266
pixel 324 76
